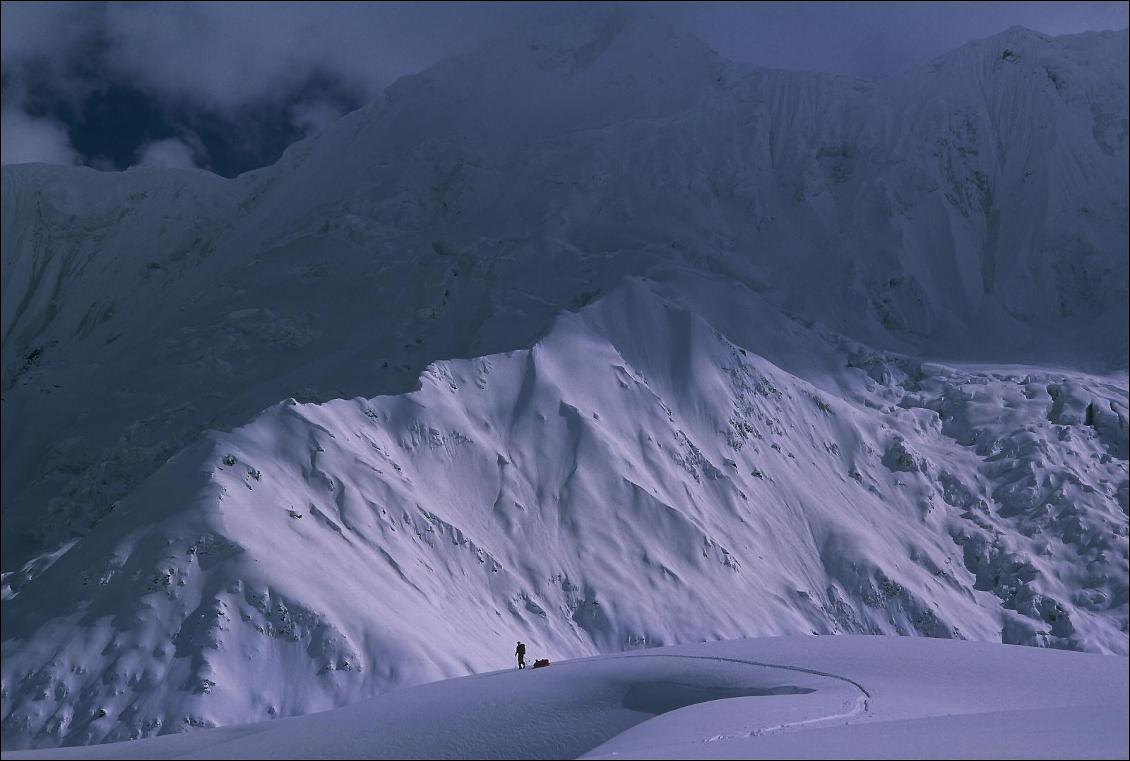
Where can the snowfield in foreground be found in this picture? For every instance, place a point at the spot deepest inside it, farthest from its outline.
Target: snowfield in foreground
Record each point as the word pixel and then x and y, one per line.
pixel 785 697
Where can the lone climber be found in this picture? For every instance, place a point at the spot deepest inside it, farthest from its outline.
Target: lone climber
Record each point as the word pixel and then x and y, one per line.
pixel 521 653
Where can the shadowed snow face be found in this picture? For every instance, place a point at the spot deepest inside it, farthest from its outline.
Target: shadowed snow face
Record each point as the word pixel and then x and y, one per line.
pixel 231 86
pixel 661 697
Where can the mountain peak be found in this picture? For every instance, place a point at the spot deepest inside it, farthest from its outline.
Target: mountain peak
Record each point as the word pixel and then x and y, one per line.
pixel 602 67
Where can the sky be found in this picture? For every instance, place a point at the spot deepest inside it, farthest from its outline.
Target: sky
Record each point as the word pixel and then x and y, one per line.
pixel 227 87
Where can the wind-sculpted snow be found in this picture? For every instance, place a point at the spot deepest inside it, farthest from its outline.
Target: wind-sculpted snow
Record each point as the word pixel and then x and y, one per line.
pixel 636 478
pixel 593 339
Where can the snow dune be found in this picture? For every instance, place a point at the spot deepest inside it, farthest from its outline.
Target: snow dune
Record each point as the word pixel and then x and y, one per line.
pixel 790 697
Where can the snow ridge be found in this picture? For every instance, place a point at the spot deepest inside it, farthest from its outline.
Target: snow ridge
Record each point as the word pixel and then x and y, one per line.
pixel 634 460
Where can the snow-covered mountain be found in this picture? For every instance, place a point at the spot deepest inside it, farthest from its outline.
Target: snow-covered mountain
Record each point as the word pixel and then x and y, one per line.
pixel 707 351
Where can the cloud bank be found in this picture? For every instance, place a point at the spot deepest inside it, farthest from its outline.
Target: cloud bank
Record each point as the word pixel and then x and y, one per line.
pixel 110 85
pixel 25 139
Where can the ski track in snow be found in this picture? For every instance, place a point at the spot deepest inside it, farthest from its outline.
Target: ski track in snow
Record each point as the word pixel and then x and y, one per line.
pixel 859 705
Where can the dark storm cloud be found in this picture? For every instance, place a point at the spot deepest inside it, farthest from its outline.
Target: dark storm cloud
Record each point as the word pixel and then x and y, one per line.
pixel 232 83
pixel 227 86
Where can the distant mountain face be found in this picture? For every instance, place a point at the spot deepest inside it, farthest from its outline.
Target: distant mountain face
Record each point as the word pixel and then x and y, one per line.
pixel 684 310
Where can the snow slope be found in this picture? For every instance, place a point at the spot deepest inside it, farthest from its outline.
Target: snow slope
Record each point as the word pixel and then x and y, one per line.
pixel 634 479
pixel 706 352
pixel 790 697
